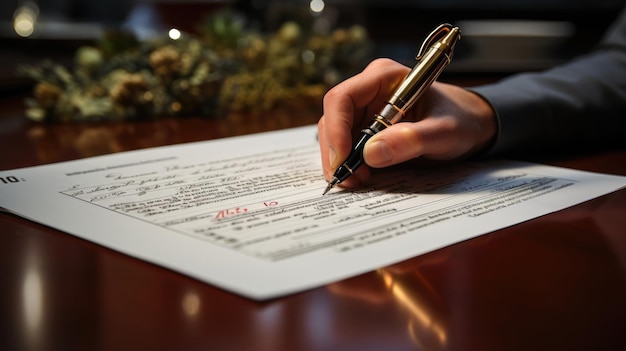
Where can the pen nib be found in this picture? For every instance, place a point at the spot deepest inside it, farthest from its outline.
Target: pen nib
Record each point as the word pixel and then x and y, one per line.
pixel 331 184
pixel 327 189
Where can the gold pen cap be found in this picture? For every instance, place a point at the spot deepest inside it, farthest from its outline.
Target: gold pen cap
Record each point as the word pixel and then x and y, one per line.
pixel 434 55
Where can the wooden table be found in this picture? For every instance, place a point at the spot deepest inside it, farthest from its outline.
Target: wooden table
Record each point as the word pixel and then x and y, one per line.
pixel 554 283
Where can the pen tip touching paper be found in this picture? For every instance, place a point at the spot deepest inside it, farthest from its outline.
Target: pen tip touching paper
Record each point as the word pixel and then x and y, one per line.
pixel 327 189
pixel 331 184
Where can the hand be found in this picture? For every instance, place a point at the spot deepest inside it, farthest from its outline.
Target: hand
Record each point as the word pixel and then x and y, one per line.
pixel 447 123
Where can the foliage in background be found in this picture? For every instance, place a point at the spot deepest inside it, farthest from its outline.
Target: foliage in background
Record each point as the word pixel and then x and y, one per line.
pixel 225 68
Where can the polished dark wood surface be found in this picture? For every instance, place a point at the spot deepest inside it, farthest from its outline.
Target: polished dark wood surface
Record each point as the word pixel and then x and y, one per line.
pixel 554 283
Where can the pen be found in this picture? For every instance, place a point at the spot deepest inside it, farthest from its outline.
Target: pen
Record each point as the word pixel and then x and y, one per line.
pixel 434 55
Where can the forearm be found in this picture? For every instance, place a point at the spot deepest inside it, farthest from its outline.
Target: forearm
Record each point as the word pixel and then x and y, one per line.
pixel 573 105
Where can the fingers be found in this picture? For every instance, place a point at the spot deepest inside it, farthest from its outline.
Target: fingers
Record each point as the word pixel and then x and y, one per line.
pixel 452 123
pixel 360 176
pixel 404 141
pixel 447 123
pixel 348 107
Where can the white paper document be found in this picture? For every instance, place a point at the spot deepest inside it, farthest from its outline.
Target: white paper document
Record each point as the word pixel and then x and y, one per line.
pixel 247 213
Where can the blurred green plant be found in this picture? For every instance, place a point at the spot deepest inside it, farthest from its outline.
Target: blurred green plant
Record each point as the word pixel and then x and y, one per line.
pixel 225 68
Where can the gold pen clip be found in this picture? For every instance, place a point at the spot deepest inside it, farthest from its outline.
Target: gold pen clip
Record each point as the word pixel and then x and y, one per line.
pixel 438 33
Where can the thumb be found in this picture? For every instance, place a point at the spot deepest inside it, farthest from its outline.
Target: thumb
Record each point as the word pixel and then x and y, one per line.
pixel 434 138
pixel 393 145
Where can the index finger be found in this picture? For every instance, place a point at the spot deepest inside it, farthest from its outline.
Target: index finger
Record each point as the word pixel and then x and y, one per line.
pixel 350 104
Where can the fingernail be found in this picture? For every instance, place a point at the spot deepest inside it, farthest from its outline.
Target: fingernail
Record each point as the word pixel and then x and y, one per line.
pixel 377 153
pixel 332 157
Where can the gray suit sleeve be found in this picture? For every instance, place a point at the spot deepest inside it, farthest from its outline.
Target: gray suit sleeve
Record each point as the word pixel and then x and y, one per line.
pixel 575 105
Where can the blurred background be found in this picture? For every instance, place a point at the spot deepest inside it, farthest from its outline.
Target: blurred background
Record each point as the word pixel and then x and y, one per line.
pixel 500 37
